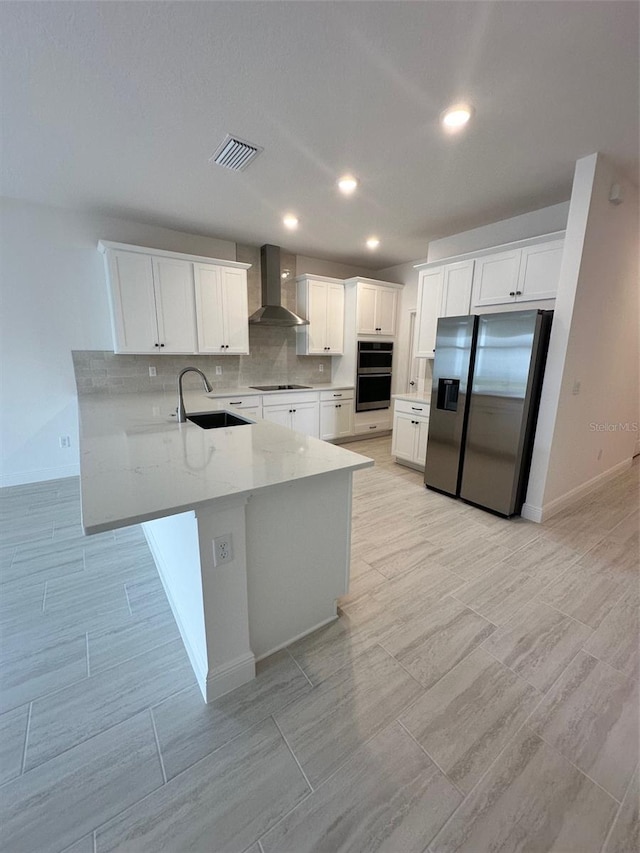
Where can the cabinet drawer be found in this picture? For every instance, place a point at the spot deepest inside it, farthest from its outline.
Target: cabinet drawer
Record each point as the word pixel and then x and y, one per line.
pixel 290 399
pixel 240 402
pixel 338 394
pixel 411 407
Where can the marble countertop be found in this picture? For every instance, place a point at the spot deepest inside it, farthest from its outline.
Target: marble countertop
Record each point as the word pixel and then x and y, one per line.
pixel 137 463
pixel 415 397
pixel 247 391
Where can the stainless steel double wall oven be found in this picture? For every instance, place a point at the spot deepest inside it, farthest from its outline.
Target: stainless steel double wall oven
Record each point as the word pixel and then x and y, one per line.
pixel 373 389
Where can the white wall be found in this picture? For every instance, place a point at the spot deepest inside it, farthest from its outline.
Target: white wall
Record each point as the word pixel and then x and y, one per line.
pixel 533 224
pixel 54 299
pixel 594 342
pixel 332 269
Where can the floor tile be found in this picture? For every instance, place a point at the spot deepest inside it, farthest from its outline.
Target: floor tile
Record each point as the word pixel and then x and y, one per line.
pixel 52 559
pixel 583 594
pixel 431 646
pixel 13 728
pixel 387 797
pixel 327 650
pixel 52 807
pixel 129 637
pixel 590 715
pixel 147 598
pixel 498 593
pixel 543 559
pixel 85 597
pixel 532 799
pixel 188 729
pixel 470 557
pixel 12 535
pixel 71 716
pixel 18 604
pixel 223 803
pixel 617 640
pixel 538 643
pixel 27 674
pixel 338 715
pixel 403 552
pixel 625 833
pixel 470 716
pixel 362 579
pixel 85 845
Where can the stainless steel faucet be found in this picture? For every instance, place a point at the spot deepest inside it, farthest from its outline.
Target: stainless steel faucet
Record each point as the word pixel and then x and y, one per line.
pixel 182 415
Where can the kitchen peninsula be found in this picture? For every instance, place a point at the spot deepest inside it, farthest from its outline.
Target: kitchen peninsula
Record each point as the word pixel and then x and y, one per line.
pixel 278 500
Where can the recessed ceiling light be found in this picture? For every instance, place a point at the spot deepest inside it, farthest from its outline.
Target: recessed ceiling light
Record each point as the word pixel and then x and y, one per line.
pixel 373 243
pixel 347 184
pixel 290 221
pixel 455 117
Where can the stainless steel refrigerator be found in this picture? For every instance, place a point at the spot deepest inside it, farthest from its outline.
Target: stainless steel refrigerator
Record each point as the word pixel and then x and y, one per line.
pixel 487 379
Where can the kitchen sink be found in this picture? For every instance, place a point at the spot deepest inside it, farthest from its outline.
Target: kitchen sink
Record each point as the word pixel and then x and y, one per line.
pixel 216 420
pixel 280 387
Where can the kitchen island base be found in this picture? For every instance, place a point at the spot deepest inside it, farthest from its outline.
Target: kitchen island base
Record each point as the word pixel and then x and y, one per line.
pixel 290 548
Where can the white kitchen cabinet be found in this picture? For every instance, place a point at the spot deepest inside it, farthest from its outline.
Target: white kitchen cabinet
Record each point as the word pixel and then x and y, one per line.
pixel 336 414
pixel 410 432
pixel 374 422
pixel 321 302
pixel 251 405
pixel 377 309
pixel 443 291
pixel 300 412
pixel 527 274
pixel 221 309
pixel 152 296
pixel 152 304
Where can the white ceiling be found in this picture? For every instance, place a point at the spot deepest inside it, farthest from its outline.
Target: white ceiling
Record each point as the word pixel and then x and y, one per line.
pixel 116 107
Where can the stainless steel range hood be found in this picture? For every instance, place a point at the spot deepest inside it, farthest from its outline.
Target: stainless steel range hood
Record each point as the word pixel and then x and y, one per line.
pixel 273 313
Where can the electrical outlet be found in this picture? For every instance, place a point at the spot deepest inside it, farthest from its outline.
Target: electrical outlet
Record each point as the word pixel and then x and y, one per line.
pixel 321 368
pixel 218 370
pixel 65 441
pixel 222 549
pixel 152 370
pixel 576 387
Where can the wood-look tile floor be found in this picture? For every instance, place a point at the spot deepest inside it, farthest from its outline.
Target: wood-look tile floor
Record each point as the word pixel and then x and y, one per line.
pixel 479 691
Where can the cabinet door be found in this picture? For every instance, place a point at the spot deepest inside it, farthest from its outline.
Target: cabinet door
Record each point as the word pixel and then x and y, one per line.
pixel 404 437
pixel 175 305
pixel 278 415
pixel 133 303
pixel 429 300
pixel 235 311
pixel 366 316
pixel 496 277
pixel 539 271
pixel 306 418
pixel 421 441
pixel 209 308
pixel 456 289
pixel 251 413
pixel 335 318
pixel 386 310
pixel 317 316
pixel 328 420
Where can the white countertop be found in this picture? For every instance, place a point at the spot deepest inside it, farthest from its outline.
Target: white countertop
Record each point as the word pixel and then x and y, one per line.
pixel 414 397
pixel 137 463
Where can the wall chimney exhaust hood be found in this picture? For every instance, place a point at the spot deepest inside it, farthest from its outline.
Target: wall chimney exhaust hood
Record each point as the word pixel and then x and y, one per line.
pixel 273 313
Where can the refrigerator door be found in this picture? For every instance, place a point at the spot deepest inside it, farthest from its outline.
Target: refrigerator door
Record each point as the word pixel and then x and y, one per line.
pixel 451 371
pixel 509 361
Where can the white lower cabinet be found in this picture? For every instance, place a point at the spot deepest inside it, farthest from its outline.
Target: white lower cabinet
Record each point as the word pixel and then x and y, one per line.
pixel 301 414
pixel 336 414
pixel 410 431
pixel 250 407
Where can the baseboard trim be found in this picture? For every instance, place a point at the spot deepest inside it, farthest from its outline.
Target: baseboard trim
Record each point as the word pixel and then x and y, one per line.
pixel 199 666
pixel 296 638
pixel 40 475
pixel 227 677
pixel 547 511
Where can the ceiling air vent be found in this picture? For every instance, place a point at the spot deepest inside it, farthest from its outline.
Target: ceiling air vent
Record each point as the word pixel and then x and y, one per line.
pixel 234 153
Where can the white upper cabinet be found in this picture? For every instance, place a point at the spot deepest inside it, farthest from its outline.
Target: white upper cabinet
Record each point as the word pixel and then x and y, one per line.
pixel 526 274
pixel 377 309
pixel 152 304
pixel 443 291
pixel 221 309
pixel 321 302
pixel 539 271
pixel 156 306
